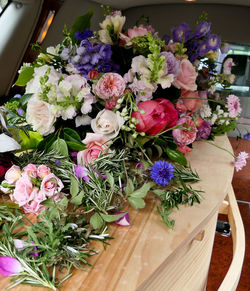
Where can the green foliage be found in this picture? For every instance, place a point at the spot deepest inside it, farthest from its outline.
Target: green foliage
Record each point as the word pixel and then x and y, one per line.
pixel 60 147
pixel 25 76
pixel 29 140
pixel 136 197
pixel 223 128
pixel 96 221
pixel 73 140
pixel 176 156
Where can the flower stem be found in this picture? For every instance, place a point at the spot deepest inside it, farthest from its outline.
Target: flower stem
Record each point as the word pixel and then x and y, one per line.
pixel 221 148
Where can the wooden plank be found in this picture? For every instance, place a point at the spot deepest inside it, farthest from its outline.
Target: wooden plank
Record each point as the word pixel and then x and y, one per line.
pixel 138 252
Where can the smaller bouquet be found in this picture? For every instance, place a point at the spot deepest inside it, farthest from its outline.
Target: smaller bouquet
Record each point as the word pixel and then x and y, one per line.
pixel 31 186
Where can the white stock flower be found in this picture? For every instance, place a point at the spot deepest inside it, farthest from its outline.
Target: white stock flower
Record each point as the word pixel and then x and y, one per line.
pixel 83 120
pixel 40 115
pixel 68 113
pixel 107 123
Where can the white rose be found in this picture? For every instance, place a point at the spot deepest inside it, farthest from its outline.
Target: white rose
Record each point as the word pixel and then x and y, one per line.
pixel 40 115
pixel 107 123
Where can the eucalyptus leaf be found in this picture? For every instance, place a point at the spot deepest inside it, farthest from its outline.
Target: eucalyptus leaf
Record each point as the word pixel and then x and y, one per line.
pixel 74 186
pixel 159 192
pixel 63 203
pixel 96 221
pixel 60 147
pixel 129 187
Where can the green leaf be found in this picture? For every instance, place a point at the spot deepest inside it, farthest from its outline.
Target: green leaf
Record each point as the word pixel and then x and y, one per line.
pixel 111 218
pixel 77 200
pixel 136 203
pixel 159 149
pixel 74 186
pixel 48 202
pixel 110 179
pixel 96 221
pixel 25 98
pixel 46 143
pixel 60 146
pixel 25 76
pixel 142 140
pixel 159 192
pixel 176 156
pixel 81 23
pixel 165 217
pixel 73 146
pixel 129 187
pixel 142 192
pixel 160 142
pixel 63 203
pixel 71 135
pixel 31 140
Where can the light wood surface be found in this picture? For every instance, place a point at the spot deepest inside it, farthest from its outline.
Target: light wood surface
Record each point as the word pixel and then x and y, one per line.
pixel 149 256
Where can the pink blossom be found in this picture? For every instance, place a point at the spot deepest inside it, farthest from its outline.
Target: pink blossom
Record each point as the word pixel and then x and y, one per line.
pixel 227 66
pixel 33 207
pixel 189 101
pixel 233 105
pixel 51 185
pixel 23 192
pixel 185 136
pixel 240 161
pixel 187 76
pixel 12 175
pixel 124 220
pixel 9 266
pixel 30 170
pixel 43 171
pixel 140 30
pixel 184 149
pixel 96 144
pixel 110 85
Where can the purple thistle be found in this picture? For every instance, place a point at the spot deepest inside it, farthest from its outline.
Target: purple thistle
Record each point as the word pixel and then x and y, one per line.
pixel 202 29
pixel 83 35
pixel 213 42
pixel 162 172
pixel 181 33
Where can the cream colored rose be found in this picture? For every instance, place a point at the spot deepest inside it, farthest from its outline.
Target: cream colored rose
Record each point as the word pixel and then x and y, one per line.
pixel 39 114
pixel 107 123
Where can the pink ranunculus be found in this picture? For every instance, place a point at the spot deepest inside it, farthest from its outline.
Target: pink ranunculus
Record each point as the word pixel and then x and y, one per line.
pixel 184 149
pixel 43 171
pixel 160 114
pixel 187 76
pixel 140 30
pixel 13 174
pixel 110 85
pixel 23 190
pixel 189 100
pixel 30 170
pixel 185 136
pixel 51 185
pixel 96 144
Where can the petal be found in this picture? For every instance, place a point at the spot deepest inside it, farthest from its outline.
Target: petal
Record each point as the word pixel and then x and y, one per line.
pixel 124 220
pixel 8 144
pixel 9 266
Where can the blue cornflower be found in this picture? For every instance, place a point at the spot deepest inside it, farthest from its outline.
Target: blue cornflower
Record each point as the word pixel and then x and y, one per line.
pixel 247 136
pixel 162 172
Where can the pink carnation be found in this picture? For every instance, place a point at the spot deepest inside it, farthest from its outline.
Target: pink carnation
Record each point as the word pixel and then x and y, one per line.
pixel 240 161
pixel 233 105
pixel 110 85
pixel 185 136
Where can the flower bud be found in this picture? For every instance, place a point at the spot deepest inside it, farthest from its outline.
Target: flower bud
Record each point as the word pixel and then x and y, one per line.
pixel 93 74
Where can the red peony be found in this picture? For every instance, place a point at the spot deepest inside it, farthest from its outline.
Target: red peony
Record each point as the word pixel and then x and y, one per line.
pixel 160 114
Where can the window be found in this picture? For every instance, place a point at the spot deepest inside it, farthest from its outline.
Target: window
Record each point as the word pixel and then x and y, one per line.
pixel 3 4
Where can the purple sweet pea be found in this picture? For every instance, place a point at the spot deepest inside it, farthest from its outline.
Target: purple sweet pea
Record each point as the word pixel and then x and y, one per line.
pixel 124 220
pixel 9 266
pixel 18 96
pixel 202 49
pixel 181 33
pixel 81 172
pixel 166 38
pixel 213 42
pixel 20 111
pixel 173 64
pixel 20 245
pixel 202 29
pixel 83 35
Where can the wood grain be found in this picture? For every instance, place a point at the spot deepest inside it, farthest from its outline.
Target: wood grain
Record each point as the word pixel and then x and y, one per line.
pixel 148 249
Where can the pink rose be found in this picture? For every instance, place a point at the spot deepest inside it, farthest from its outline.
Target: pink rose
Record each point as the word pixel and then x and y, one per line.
pixel 139 31
pixel 43 171
pixel 160 114
pixel 96 144
pixel 30 170
pixel 34 207
pixel 51 185
pixel 23 190
pixel 185 136
pixel 187 76
pixel 110 85
pixel 12 175
pixel 189 101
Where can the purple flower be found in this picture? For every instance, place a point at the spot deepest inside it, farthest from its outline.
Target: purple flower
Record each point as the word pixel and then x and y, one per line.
pixel 202 29
pixel 9 266
pixel 58 163
pixel 81 172
pixel 213 42
pixel 240 161
pixel 162 172
pixel 65 54
pixel 83 35
pixel 124 220
pixel 203 131
pixel 202 49
pixel 20 111
pixel 173 64
pixel 246 136
pixel 181 33
pixel 166 38
pixel 20 245
pixel 18 96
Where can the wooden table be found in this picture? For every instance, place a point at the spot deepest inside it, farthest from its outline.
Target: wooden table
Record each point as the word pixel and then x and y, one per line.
pixel 149 256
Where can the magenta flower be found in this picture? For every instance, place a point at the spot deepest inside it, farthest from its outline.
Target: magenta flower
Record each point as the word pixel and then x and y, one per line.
pixel 240 161
pixel 124 220
pixel 233 105
pixel 20 245
pixel 9 266
pixel 81 172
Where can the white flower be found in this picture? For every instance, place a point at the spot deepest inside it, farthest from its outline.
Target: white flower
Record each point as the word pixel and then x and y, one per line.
pixel 71 69
pixel 205 111
pixel 83 120
pixel 107 123
pixel 8 144
pixel 87 105
pixel 68 113
pixel 40 115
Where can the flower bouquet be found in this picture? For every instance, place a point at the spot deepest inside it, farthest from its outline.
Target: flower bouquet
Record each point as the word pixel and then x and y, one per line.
pixel 106 117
